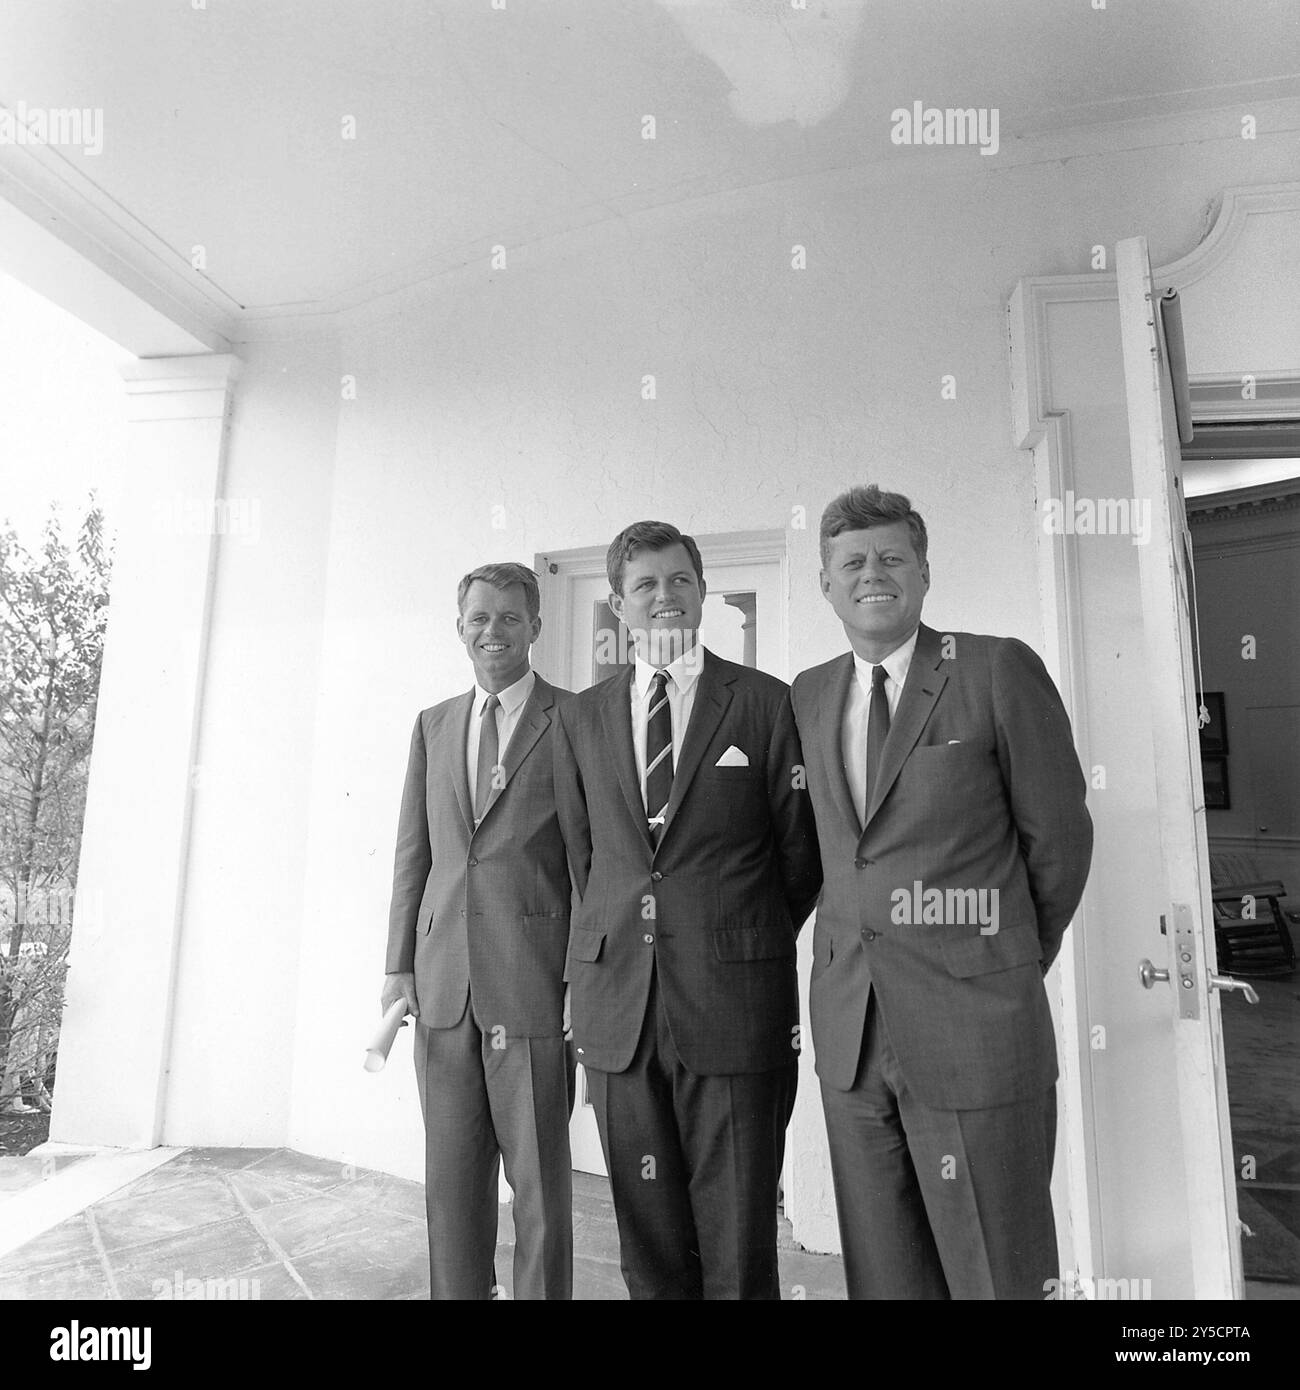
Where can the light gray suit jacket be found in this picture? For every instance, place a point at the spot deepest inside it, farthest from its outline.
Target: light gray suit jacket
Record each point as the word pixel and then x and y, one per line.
pixel 482 910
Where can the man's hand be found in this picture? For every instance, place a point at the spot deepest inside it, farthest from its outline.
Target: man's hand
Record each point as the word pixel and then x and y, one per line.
pixel 568 1026
pixel 399 986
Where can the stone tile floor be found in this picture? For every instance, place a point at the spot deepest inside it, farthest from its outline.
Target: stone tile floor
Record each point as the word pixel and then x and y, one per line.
pixel 304 1228
pixel 301 1227
pixel 18 1174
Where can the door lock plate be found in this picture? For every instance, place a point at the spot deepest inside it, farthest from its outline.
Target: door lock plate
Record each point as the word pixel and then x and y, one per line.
pixel 1184 971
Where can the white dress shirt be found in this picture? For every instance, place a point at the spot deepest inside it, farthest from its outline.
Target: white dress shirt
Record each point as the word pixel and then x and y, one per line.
pixel 683 674
pixel 513 699
pixel 857 710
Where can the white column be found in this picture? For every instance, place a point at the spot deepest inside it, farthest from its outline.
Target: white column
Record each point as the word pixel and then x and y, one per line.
pixel 129 913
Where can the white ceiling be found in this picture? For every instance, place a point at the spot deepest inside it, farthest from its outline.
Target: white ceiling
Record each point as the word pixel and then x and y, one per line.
pixel 222 124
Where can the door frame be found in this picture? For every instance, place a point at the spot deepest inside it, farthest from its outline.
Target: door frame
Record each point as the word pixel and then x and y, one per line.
pixel 1043 430
pixel 558 571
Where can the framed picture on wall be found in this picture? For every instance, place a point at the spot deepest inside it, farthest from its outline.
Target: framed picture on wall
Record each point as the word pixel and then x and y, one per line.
pixel 1214 735
pixel 1214 776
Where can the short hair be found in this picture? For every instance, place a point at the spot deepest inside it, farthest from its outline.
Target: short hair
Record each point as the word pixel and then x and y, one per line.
pixel 503 576
pixel 861 507
pixel 646 535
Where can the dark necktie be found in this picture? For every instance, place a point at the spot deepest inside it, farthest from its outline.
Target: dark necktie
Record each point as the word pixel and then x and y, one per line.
pixel 877 729
pixel 489 756
pixel 658 755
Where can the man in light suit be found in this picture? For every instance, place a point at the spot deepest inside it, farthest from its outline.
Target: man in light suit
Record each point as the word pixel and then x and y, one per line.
pixel 955 845
pixel 691 843
pixel 477 934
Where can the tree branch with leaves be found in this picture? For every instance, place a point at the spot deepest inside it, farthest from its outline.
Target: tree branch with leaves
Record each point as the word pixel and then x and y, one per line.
pixel 53 612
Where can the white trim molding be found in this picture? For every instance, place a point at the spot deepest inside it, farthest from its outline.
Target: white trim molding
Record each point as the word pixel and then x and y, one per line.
pixel 1236 207
pixel 1254 842
pixel 180 388
pixel 1223 399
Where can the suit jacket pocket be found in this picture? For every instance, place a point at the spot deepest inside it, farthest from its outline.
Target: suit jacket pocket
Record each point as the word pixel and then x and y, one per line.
pixel 752 943
pixel 965 955
pixel 586 945
pixel 823 949
pixel 540 921
pixel 950 752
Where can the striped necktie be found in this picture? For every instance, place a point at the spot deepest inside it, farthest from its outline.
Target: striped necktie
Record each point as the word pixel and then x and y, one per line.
pixel 658 756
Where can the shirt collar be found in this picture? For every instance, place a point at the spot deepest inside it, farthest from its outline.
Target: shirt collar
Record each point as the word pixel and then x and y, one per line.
pixel 685 671
pixel 511 697
pixel 896 664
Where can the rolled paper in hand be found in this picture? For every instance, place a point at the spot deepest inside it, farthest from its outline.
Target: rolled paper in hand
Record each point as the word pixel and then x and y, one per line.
pixel 378 1046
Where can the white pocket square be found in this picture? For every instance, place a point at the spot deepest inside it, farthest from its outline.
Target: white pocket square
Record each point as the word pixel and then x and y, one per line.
pixel 733 757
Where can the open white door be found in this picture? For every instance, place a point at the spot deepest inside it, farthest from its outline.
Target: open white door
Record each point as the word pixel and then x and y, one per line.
pixel 1186 977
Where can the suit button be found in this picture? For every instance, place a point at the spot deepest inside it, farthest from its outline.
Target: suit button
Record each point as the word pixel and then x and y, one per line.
pixel 860 863
pixel 868 935
pixel 656 875
pixel 648 939
pixel 472 862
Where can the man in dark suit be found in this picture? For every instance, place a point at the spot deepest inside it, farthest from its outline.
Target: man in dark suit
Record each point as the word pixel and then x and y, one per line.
pixel 955 844
pixel 476 943
pixel 690 838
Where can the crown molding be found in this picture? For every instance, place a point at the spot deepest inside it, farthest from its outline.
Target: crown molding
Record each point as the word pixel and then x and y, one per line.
pixel 43 184
pixel 653 212
pixel 1221 399
pixel 1236 207
pixel 1264 499
pixel 52 190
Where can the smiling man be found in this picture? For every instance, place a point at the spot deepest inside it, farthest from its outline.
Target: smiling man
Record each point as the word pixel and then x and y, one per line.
pixel 477 934
pixel 691 844
pixel 935 762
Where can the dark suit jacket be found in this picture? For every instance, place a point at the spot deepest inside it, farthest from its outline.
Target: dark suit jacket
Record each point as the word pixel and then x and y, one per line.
pixel 979 788
pixel 715 908
pixel 485 910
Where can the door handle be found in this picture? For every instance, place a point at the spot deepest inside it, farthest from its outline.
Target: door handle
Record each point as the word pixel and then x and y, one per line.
pixel 1148 974
pixel 1228 984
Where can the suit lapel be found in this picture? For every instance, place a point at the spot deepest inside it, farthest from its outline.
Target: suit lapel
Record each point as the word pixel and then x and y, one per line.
pixel 925 682
pixel 534 720
pixel 459 733
pixel 830 724
pixel 712 696
pixel 616 719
